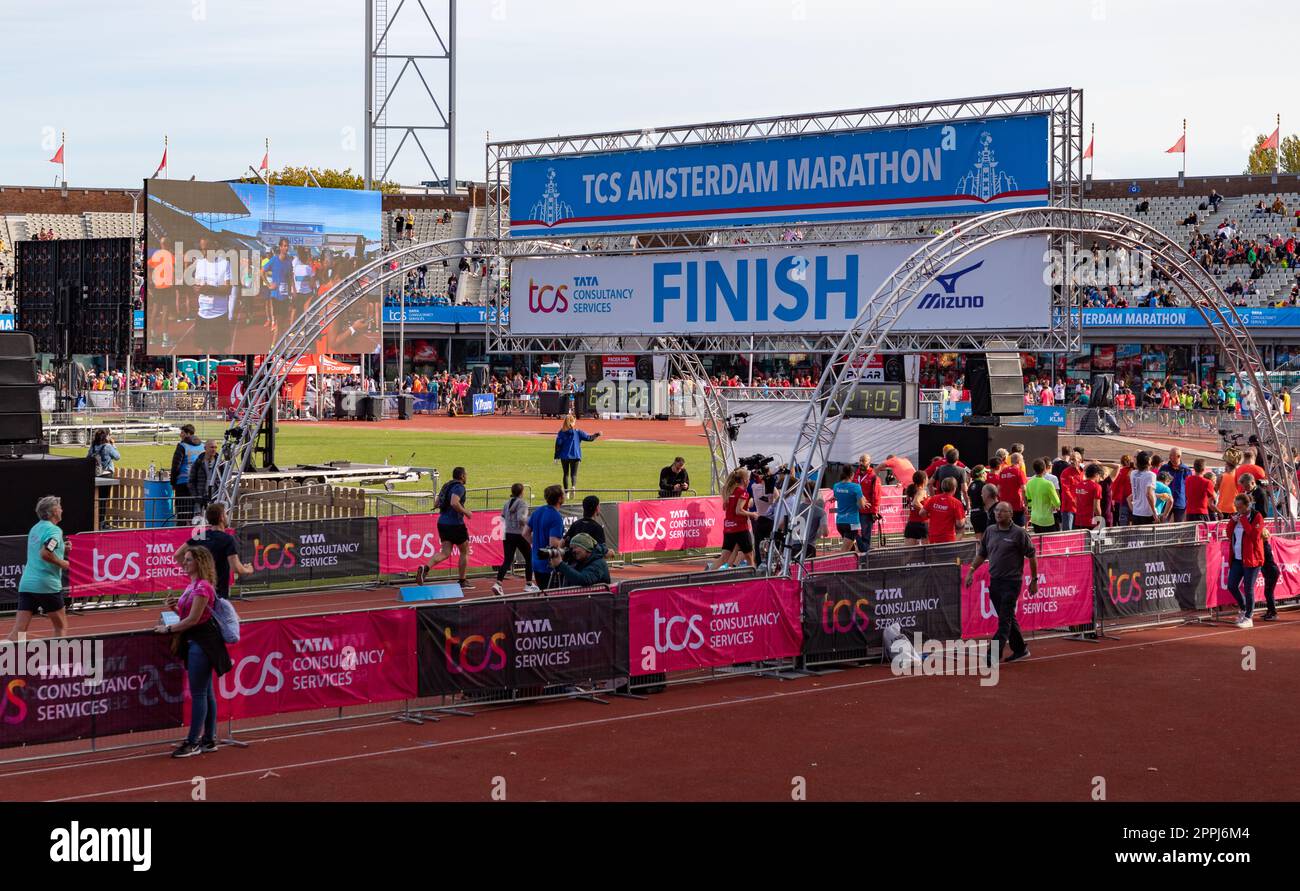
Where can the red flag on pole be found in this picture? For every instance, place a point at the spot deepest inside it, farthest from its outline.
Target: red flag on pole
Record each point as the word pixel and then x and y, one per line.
pixel 58 156
pixel 161 165
pixel 1179 146
pixel 266 159
pixel 1272 141
pixel 1088 151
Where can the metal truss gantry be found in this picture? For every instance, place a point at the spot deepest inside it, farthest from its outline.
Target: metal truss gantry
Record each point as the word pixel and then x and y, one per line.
pixel 433 41
pixel 1063 106
pixel 812 445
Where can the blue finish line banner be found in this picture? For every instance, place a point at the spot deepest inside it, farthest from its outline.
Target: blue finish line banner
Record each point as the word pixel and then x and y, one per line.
pixel 954 168
pixel 1042 415
pixel 442 315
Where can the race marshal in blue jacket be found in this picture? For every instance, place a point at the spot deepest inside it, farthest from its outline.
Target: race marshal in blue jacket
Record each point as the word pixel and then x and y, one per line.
pixel 568 450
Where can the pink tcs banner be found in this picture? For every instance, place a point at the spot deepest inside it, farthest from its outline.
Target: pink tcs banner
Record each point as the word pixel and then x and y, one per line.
pixel 406 542
pixel 1218 557
pixel 138 561
pixel 299 664
pixel 1064 597
pixel 678 629
pixel 673 524
pixel 892 515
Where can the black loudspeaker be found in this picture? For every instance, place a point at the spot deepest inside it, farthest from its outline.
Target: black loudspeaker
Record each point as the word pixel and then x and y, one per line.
pixel 977 381
pixel 74 295
pixel 894 370
pixel 1103 391
pixel 1006 384
pixel 26 480
pixel 479 378
pixel 553 403
pixel 20 400
pixel 595 369
pixel 645 368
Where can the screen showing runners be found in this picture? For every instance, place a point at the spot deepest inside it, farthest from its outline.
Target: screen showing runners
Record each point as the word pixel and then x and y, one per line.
pixel 231 266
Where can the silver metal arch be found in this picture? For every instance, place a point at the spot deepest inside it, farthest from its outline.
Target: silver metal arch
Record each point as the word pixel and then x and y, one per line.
pixel 897 293
pixel 301 338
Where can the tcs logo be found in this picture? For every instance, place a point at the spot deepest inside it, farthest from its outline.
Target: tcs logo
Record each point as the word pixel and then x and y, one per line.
pixel 547 298
pixel 416 546
pixel 842 616
pixel 474 653
pixel 247 680
pixel 1125 587
pixel 671 636
pixel 651 528
pixel 115 567
pixel 11 698
pixel 275 555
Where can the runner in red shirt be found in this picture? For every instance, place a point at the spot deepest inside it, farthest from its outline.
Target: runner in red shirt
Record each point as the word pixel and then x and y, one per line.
pixel 1249 466
pixel 945 513
pixel 1087 498
pixel 1199 490
pixel 1121 489
pixel 736 538
pixel 915 532
pixel 1011 481
pixel 1070 478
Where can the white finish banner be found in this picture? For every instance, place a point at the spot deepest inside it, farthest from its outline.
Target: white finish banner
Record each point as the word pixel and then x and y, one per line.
pixel 777 290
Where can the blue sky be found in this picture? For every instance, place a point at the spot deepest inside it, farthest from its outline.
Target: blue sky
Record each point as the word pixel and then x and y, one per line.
pixel 219 76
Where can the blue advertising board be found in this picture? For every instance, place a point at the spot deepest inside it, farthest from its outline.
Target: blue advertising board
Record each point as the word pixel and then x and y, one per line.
pixel 484 404
pixel 1042 415
pixel 442 315
pixel 7 320
pixel 942 168
pixel 1252 316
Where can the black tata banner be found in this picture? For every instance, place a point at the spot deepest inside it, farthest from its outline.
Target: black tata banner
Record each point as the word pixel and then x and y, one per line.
pixel 13 557
pixel 311 549
pixel 58 690
pixel 1139 581
pixel 484 646
pixel 846 613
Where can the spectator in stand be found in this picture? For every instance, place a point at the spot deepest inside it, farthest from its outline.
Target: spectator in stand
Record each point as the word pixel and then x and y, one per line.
pixel 674 480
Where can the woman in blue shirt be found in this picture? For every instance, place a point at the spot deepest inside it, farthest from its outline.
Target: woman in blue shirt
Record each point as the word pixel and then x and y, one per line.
pixel 41 585
pixel 568 451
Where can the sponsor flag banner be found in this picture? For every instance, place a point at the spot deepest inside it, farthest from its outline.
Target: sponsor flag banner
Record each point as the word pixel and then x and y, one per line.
pixel 1218 560
pixel 138 561
pixel 893 516
pixel 971 166
pixel 1139 581
pixel 299 664
pixel 848 612
pixel 411 540
pixel 685 628
pixel 306 550
pixel 13 557
pixel 141 689
pixel 1064 598
pixel 463 648
pixel 539 642
pixel 779 289
pixel 674 524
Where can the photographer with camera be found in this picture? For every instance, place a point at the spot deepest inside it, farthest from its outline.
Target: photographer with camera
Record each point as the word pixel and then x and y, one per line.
pixel 588 567
pixel 674 480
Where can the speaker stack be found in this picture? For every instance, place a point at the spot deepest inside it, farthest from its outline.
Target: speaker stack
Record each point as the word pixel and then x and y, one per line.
pixel 997 387
pixel 20 404
pixel 74 296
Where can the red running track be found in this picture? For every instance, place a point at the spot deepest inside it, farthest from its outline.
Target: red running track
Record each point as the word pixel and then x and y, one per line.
pixel 1164 714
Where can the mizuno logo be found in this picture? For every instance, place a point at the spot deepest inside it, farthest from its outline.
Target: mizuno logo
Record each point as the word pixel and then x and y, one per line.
pixel 949 282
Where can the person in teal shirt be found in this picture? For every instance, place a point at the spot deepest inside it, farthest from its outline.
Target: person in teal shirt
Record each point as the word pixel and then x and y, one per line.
pixel 1164 497
pixel 41 585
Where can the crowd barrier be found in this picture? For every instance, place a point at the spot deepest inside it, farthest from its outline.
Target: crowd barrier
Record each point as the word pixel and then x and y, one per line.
pixel 424 661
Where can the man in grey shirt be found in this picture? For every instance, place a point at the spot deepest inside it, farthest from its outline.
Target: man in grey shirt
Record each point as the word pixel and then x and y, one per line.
pixel 1006 547
pixel 953 468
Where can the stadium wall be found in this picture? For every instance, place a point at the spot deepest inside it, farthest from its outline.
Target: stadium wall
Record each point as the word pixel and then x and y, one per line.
pixel 1167 187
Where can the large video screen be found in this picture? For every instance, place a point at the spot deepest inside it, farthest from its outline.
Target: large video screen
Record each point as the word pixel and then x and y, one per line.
pixel 231 266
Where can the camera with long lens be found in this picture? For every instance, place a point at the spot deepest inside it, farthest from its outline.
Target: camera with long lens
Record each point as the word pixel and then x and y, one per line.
pixel 550 553
pixel 758 464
